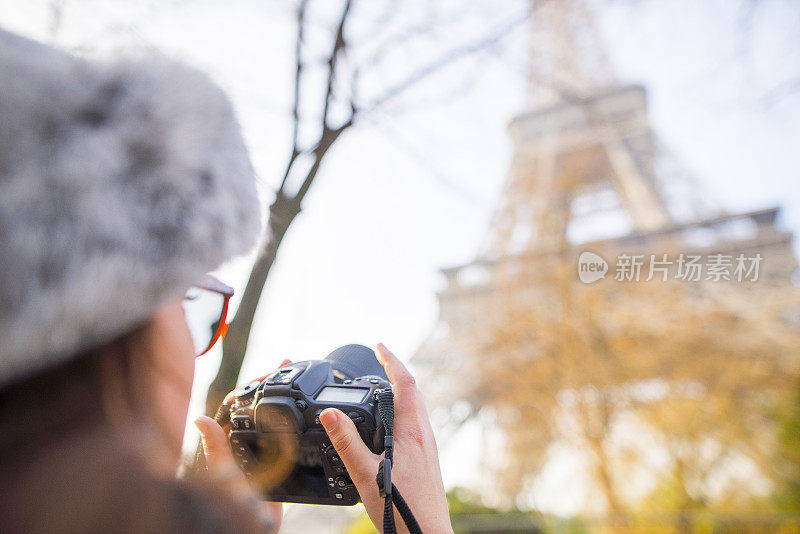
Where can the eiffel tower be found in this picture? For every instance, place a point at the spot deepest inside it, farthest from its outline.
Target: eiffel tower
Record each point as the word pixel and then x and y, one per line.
pixel 588 173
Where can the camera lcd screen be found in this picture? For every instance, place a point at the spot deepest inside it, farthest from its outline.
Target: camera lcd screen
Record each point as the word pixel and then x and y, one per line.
pixel 337 394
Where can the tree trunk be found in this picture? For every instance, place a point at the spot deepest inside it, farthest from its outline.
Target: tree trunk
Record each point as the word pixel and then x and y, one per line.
pixel 234 347
pixel 602 469
pixel 685 501
pixel 602 464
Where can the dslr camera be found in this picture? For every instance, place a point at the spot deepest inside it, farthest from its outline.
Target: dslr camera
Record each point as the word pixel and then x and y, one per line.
pixel 276 436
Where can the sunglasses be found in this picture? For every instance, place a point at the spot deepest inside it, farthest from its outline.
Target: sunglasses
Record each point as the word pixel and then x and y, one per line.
pixel 205 307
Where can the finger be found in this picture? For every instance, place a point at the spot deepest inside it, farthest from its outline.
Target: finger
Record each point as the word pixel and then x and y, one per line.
pixel 357 458
pixel 215 442
pixel 395 370
pixel 219 458
pixel 411 419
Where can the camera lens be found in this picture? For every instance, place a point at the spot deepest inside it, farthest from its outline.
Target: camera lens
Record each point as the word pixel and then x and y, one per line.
pixel 356 360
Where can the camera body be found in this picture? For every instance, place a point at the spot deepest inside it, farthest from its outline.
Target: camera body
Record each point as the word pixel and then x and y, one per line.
pixel 276 436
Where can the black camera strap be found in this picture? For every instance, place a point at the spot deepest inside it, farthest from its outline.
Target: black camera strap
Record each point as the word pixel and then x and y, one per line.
pixel 387 489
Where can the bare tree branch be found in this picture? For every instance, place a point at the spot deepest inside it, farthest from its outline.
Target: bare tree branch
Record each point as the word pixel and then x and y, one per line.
pixel 445 60
pixel 338 47
pixel 56 18
pixel 282 213
pixel 329 137
pixel 414 31
pixel 286 205
pixel 780 92
pixel 301 14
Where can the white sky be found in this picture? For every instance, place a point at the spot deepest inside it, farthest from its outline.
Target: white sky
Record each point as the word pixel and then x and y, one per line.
pixel 360 263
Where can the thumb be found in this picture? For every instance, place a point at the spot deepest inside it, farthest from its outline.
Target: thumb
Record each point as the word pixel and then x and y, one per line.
pixel 359 461
pixel 215 442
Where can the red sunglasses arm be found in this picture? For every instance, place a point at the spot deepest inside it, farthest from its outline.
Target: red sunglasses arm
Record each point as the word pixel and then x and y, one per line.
pixel 222 328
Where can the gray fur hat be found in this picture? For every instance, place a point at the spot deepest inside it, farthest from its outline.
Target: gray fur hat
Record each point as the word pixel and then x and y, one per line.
pixel 121 184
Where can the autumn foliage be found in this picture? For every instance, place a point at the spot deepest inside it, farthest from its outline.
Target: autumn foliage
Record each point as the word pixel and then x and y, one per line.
pixel 666 391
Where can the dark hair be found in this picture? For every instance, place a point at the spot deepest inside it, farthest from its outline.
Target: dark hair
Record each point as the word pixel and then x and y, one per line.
pixel 76 455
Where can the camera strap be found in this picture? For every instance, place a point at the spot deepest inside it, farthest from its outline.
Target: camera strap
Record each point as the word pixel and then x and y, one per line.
pixel 388 490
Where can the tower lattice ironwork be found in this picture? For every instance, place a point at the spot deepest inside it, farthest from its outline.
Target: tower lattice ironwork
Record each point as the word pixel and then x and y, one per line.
pixel 588 173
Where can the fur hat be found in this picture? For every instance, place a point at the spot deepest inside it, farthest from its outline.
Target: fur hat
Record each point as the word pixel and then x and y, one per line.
pixel 121 184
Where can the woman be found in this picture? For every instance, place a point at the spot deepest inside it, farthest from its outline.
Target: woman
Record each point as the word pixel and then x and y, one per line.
pixel 121 185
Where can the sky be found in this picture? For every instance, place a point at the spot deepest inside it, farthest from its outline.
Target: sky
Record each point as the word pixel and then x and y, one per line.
pixel 406 193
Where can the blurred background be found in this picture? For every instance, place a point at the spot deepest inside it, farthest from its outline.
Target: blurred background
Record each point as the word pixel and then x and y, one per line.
pixel 431 173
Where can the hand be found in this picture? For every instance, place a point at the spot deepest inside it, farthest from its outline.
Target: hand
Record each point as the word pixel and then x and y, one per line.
pixel 223 467
pixel 224 470
pixel 415 470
